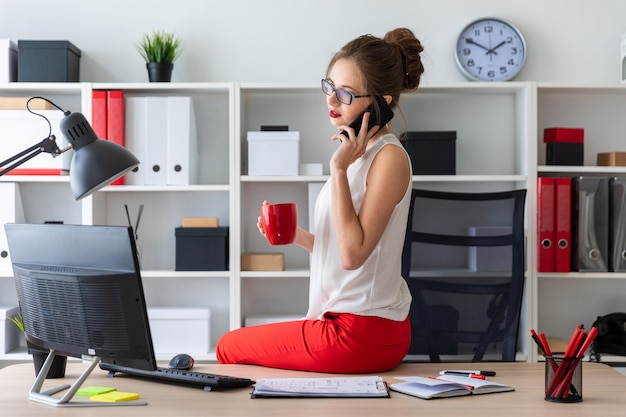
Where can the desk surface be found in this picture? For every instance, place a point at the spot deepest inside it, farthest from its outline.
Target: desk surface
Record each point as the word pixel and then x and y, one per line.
pixel 603 395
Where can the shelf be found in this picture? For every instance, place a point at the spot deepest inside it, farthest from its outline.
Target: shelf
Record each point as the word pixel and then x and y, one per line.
pixel 276 274
pixel 581 275
pixel 469 178
pixel 42 88
pixel 284 178
pixel 35 178
pixel 164 88
pixel 165 188
pixel 416 178
pixel 581 170
pixel 165 274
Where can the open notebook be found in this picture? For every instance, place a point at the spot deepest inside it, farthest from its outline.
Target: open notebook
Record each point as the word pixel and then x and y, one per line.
pixel 446 386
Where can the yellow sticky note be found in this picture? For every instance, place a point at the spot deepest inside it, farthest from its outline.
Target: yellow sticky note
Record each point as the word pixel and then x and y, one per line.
pixel 90 391
pixel 115 396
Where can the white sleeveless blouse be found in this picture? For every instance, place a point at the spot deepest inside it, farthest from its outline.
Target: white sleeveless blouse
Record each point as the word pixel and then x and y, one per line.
pixel 377 287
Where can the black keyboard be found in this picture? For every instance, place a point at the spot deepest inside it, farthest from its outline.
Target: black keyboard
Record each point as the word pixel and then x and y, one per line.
pixel 205 380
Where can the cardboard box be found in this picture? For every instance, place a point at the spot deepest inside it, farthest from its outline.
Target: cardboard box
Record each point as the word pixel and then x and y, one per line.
pixel 262 261
pixel 201 222
pixel 19 103
pixel 490 258
pixel 8 61
pixel 48 61
pixel 611 159
pixel 256 320
pixel 10 334
pixel 432 152
pixel 201 248
pixel 180 330
pixel 273 153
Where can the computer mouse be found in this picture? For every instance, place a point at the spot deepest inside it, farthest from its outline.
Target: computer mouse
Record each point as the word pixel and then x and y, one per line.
pixel 181 361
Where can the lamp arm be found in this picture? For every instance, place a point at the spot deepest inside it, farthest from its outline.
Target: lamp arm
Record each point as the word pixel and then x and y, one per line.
pixel 48 145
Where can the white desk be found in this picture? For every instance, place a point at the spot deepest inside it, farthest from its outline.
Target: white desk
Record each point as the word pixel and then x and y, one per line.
pixel 604 394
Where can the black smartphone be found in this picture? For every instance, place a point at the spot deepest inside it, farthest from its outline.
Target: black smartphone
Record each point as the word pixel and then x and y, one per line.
pixel 380 115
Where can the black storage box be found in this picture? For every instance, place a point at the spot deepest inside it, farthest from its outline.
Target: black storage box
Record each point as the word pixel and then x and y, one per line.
pixel 432 152
pixel 201 248
pixel 47 61
pixel 565 153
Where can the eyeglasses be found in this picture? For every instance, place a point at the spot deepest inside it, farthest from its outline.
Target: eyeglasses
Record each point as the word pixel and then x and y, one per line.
pixel 343 96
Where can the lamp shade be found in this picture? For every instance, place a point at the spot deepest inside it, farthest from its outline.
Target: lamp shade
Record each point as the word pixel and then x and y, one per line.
pixel 96 163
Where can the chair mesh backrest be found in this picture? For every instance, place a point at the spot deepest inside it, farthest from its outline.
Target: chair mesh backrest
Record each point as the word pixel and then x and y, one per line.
pixel 464 262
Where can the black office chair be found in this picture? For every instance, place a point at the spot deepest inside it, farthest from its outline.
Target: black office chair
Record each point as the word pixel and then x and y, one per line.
pixel 463 260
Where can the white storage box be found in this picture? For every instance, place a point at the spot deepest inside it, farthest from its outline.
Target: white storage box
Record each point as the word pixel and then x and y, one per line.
pixel 8 61
pixel 273 153
pixel 180 330
pixel 490 258
pixel 269 319
pixel 10 334
pixel 20 129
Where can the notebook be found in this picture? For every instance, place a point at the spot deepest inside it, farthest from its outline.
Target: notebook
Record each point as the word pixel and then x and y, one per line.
pixel 446 386
pixel 351 387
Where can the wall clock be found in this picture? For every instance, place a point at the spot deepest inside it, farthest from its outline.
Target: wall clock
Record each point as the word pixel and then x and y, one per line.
pixel 490 49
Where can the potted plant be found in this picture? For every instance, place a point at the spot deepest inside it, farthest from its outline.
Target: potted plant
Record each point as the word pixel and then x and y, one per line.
pixel 57 370
pixel 159 49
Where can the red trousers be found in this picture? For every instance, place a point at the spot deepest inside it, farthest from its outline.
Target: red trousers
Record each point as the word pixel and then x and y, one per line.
pixel 340 343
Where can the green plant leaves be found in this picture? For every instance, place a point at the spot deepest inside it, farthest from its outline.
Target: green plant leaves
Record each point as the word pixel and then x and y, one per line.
pixel 159 46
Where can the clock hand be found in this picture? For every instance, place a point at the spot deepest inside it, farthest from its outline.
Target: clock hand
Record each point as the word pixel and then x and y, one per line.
pixel 470 40
pixel 493 50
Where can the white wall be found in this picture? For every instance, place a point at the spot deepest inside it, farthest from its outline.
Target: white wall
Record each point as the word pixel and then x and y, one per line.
pixel 292 40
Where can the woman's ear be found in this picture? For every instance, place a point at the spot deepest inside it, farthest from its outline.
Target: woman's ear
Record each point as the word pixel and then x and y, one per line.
pixel 388 99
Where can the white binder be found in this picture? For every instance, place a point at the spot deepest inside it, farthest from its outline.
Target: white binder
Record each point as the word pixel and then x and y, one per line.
pixel 136 137
pixel 182 149
pixel 156 149
pixel 11 211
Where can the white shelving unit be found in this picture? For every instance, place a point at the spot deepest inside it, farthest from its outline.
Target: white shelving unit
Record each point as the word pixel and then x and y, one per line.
pixel 499 146
pixel 563 300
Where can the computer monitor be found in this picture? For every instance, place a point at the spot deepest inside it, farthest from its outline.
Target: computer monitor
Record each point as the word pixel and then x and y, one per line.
pixel 80 295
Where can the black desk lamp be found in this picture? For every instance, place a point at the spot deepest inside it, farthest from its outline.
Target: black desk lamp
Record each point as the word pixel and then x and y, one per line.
pixel 95 164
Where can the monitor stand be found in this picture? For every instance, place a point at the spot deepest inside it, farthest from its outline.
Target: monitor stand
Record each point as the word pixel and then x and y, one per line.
pixel 46 397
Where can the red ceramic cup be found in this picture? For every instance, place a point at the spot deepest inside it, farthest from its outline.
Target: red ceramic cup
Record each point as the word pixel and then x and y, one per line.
pixel 279 222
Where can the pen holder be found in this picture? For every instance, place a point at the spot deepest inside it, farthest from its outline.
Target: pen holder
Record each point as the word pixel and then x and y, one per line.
pixel 564 379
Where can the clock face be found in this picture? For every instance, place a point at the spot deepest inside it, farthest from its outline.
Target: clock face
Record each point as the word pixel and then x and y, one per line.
pixel 490 50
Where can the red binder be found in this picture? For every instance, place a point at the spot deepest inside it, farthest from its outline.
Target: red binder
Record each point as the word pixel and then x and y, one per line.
pixel 115 121
pixel 99 113
pixel 545 224
pixel 562 224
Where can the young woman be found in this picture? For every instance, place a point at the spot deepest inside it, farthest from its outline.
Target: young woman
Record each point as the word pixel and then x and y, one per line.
pixel 357 320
